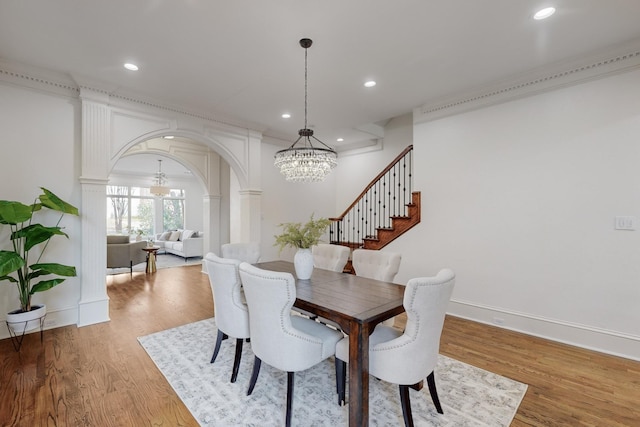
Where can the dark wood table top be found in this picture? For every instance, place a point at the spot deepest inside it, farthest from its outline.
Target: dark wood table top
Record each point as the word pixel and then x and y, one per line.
pixel 344 297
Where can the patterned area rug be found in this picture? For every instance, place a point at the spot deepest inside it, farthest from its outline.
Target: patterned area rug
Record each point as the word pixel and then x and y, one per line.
pixel 469 396
pixel 162 261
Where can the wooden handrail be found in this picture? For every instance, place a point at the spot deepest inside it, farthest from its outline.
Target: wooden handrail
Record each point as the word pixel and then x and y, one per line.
pixel 373 182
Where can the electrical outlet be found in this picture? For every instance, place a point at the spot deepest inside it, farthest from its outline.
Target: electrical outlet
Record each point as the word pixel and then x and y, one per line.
pixel 498 320
pixel 625 223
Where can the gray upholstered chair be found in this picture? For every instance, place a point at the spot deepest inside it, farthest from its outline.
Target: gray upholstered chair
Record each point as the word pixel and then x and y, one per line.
pixel 123 253
pixel 231 313
pixel 330 257
pixel 286 342
pixel 246 252
pixel 378 265
pixel 407 358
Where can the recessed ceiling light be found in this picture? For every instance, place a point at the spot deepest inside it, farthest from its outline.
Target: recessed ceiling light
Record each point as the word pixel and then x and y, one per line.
pixel 168 137
pixel 286 115
pixel 544 13
pixel 369 83
pixel 340 139
pixel 131 67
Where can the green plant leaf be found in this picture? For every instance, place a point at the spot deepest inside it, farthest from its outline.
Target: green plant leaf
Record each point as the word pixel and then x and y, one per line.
pixel 37 233
pixel 14 212
pixel 51 201
pixel 297 235
pixel 53 268
pixel 9 262
pixel 45 285
pixel 9 278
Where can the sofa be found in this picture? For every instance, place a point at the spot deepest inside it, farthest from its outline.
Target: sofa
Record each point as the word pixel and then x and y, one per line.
pixel 184 243
pixel 123 253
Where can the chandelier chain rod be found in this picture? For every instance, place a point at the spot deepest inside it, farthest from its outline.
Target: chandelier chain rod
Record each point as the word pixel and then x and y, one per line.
pixel 305 87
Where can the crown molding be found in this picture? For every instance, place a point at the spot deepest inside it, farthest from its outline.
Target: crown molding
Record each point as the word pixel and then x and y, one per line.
pixel 39 79
pixel 567 73
pixel 77 86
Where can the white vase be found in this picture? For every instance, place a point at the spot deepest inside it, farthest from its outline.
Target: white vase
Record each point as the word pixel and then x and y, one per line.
pixel 303 263
pixel 21 322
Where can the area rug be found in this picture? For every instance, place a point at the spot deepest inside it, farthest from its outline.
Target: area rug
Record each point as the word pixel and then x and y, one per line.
pixel 162 261
pixel 469 396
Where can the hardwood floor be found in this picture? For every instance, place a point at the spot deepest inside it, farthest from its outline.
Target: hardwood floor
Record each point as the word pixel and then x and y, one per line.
pixel 100 376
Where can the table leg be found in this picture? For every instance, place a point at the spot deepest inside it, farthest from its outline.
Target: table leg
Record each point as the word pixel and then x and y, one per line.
pixel 358 375
pixel 151 262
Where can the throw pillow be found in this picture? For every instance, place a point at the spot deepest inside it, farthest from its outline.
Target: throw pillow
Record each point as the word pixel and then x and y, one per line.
pixel 175 235
pixel 186 234
pixel 164 236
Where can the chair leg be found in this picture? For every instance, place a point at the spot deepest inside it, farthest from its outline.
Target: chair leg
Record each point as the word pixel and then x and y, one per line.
pixel 254 375
pixel 236 359
pixel 341 380
pixel 405 401
pixel 221 336
pixel 431 381
pixel 290 382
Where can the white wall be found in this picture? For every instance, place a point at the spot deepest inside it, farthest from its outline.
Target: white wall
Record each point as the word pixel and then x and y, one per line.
pixel 41 147
pixel 355 171
pixel 520 199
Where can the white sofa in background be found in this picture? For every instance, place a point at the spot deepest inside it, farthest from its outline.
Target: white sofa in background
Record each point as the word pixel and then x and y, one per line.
pixel 184 243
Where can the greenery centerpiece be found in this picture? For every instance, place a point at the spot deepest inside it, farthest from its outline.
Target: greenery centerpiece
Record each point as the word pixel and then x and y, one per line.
pixel 302 237
pixel 26 235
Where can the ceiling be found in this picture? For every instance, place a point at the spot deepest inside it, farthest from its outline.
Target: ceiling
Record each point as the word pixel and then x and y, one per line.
pixel 240 62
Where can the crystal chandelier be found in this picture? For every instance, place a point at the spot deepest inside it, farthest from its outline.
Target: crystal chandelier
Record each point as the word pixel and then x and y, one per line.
pixel 306 162
pixel 159 188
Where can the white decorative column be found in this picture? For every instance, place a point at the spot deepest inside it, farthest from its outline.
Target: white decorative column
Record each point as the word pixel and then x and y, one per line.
pixel 251 195
pixel 212 223
pixel 96 120
pixel 250 211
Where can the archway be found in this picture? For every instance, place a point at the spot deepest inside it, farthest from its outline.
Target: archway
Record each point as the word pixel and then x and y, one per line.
pixel 111 127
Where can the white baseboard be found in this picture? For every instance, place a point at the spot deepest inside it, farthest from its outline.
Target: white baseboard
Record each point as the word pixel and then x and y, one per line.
pixel 92 312
pixel 601 340
pixel 54 319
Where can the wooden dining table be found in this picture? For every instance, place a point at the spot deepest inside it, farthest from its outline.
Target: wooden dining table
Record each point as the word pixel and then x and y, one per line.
pixel 355 303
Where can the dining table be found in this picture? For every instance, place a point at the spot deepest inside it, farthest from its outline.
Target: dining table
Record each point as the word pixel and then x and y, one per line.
pixel 355 303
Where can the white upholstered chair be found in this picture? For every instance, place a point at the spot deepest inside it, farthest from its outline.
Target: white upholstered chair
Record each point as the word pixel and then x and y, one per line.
pixel 376 265
pixel 286 342
pixel 246 252
pixel 407 358
pixel 330 257
pixel 231 313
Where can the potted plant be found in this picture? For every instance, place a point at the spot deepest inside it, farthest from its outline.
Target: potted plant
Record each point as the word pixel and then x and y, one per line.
pixel 27 237
pixel 302 237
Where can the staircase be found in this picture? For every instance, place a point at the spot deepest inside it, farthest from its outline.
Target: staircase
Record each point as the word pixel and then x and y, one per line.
pixel 386 208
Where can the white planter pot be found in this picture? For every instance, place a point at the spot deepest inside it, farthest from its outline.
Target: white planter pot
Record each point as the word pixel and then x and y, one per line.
pixel 303 263
pixel 21 322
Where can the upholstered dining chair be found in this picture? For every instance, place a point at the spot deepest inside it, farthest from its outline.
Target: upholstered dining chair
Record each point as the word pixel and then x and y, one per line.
pixel 231 313
pixel 330 257
pixel 378 265
pixel 406 358
pixel 282 340
pixel 246 252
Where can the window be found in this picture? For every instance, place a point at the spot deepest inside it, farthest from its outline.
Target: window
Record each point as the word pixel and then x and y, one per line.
pixel 132 210
pixel 173 210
